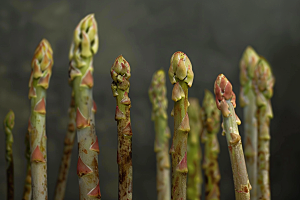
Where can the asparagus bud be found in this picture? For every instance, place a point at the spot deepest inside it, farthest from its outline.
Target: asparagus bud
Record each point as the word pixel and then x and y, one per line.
pixel 120 73
pixel 9 123
pixel 225 101
pixel 157 95
pixel 27 186
pixel 181 76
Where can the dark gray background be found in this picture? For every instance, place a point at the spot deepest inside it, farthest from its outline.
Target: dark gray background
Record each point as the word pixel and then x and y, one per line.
pixel 212 33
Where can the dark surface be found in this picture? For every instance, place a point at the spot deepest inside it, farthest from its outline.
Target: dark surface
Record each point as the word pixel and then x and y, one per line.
pixel 212 33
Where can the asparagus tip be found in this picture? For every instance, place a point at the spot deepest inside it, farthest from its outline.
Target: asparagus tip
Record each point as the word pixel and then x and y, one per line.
pixel 9 120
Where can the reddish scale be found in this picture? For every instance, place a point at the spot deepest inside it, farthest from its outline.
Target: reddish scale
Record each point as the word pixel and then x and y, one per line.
pixel 182 165
pixel 82 169
pixel 95 192
pixel 81 121
pixel 127 129
pixel 185 124
pixel 95 146
pixel 119 114
pixel 88 79
pixel 44 81
pixel 40 107
pixel 37 155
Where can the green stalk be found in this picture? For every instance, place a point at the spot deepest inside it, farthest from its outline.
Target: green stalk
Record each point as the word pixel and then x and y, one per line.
pixel 248 103
pixel 263 83
pixel 39 81
pixel 27 186
pixel 211 118
pixel 9 123
pixel 120 73
pixel 157 95
pixel 225 100
pixel 181 75
pixel 84 46
pixel 194 156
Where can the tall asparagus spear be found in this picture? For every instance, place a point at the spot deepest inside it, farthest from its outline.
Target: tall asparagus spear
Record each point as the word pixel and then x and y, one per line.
pixel 182 76
pixel 120 73
pixel 248 103
pixel 9 123
pixel 225 101
pixel 84 46
pixel 194 184
pixel 263 83
pixel 157 94
pixel 27 187
pixel 66 159
pixel 210 162
pixel 39 81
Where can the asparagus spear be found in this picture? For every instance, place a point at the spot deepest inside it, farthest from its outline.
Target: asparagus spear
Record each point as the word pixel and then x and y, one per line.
pixel 157 94
pixel 120 73
pixel 194 184
pixel 248 103
pixel 84 46
pixel 66 159
pixel 39 81
pixel 182 76
pixel 9 123
pixel 27 187
pixel 263 83
pixel 210 162
pixel 225 101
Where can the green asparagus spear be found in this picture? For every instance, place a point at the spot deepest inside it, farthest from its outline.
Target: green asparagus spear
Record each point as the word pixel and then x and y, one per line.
pixel 211 118
pixel 194 156
pixel 84 46
pixel 39 81
pixel 9 123
pixel 27 187
pixel 225 101
pixel 248 103
pixel 157 95
pixel 120 73
pixel 182 76
pixel 263 83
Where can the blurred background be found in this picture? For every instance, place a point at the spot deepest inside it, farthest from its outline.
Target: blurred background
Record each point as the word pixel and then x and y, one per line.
pixel 213 34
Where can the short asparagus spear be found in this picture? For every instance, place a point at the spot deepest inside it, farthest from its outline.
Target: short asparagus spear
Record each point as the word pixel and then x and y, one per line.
pixel 84 46
pixel 225 100
pixel 248 102
pixel 120 73
pixel 194 182
pixel 157 94
pixel 263 83
pixel 9 123
pixel 39 81
pixel 182 76
pixel 211 118
pixel 27 187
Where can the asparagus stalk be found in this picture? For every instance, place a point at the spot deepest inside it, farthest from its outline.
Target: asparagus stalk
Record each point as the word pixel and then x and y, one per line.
pixel 225 101
pixel 181 75
pixel 157 95
pixel 27 187
pixel 84 46
pixel 66 159
pixel 39 81
pixel 120 73
pixel 248 103
pixel 263 83
pixel 212 149
pixel 9 123
pixel 194 156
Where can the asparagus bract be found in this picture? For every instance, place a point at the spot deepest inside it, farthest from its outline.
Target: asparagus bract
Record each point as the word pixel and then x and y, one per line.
pixel 27 186
pixel 9 123
pixel 157 95
pixel 248 103
pixel 263 83
pixel 225 101
pixel 194 182
pixel 181 76
pixel 120 73
pixel 84 46
pixel 211 118
pixel 39 81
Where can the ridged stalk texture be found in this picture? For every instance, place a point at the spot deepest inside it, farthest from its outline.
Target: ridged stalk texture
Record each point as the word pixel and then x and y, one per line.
pixel 225 101
pixel 67 154
pixel 194 156
pixel 181 76
pixel 120 73
pixel 39 81
pixel 211 120
pixel 157 95
pixel 248 103
pixel 9 123
pixel 27 186
pixel 84 46
pixel 263 83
